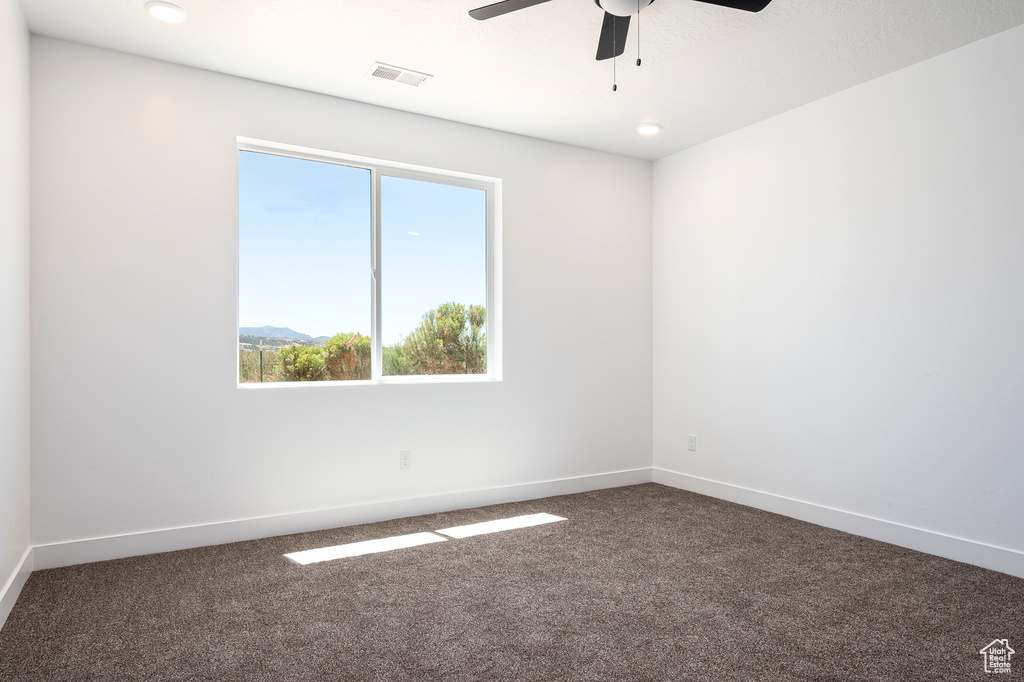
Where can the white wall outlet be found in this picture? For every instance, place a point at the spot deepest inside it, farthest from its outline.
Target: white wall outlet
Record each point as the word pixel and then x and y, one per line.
pixel 405 459
pixel 692 443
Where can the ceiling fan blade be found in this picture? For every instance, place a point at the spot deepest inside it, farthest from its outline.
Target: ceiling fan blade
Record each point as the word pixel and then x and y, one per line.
pixel 504 7
pixel 745 5
pixel 613 36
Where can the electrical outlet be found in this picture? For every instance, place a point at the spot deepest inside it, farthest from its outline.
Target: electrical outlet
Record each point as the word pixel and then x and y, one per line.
pixel 692 443
pixel 405 459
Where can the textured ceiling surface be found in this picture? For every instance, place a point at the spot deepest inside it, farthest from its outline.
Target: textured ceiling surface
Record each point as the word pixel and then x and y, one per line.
pixel 706 70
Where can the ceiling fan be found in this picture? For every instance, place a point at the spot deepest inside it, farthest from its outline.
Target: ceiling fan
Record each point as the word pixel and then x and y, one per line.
pixel 616 17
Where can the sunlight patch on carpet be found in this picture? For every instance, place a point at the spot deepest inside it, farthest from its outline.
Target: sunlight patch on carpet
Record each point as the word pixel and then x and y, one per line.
pixel 499 525
pixel 312 556
pixel 353 549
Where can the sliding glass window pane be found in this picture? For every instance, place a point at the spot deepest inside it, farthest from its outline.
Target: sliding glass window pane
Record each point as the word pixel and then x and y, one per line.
pixel 434 278
pixel 303 270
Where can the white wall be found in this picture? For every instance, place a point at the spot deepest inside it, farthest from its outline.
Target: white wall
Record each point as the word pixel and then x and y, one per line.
pixel 14 304
pixel 839 307
pixel 137 423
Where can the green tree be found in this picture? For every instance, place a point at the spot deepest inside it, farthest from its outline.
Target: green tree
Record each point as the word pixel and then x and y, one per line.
pixel 397 363
pixel 301 363
pixel 474 344
pixel 449 340
pixel 348 356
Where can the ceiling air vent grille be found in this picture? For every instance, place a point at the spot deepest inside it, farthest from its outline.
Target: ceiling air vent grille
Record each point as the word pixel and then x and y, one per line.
pixel 398 74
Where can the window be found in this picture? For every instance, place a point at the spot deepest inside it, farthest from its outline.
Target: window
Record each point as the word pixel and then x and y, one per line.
pixel 356 270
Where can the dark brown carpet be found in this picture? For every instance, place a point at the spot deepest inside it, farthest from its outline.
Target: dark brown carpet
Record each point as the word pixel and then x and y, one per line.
pixel 641 583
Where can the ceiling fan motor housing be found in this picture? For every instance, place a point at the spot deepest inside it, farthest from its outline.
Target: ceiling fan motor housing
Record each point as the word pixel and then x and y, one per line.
pixel 622 8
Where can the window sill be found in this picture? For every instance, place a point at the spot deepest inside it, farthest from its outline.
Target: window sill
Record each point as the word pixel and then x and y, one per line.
pixel 383 381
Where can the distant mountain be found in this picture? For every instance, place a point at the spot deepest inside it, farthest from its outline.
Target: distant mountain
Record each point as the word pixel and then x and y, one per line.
pixel 277 336
pixel 268 342
pixel 274 333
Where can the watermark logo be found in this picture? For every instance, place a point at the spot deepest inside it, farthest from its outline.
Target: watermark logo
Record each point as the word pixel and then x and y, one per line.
pixel 997 656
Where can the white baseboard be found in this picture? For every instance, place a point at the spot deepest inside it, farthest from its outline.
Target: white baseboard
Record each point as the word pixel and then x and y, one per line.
pixel 12 587
pixel 169 539
pixel 165 540
pixel 959 549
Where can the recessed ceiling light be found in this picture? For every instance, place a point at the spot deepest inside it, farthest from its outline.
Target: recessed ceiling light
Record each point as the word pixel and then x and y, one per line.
pixel 165 11
pixel 648 128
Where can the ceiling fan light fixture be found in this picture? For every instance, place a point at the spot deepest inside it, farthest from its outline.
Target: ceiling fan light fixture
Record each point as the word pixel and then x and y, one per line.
pixel 648 129
pixel 623 8
pixel 165 11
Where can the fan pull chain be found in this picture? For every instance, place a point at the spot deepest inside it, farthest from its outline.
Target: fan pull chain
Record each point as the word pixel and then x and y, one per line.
pixel 638 32
pixel 615 35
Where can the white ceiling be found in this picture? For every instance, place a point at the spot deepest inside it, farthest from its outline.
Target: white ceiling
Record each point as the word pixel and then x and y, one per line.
pixel 706 70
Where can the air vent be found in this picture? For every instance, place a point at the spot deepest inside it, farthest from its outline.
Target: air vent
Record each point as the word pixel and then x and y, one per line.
pixel 397 74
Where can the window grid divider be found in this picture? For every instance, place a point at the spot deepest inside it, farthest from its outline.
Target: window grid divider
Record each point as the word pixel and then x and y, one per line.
pixel 376 343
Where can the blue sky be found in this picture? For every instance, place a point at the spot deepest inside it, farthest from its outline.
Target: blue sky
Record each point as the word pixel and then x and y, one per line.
pixel 304 247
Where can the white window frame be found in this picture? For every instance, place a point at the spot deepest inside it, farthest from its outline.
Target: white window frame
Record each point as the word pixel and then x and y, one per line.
pixel 379 168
